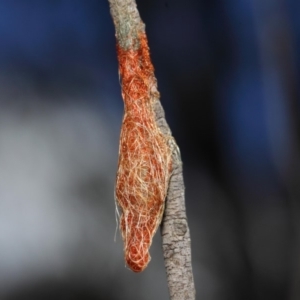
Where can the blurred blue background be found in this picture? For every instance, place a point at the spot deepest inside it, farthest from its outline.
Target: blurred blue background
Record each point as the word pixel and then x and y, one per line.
pixel 228 73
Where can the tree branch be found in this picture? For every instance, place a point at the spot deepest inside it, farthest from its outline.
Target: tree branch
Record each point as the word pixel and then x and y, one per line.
pixel 174 228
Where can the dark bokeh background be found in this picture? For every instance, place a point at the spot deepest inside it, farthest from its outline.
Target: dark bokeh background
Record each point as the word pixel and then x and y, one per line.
pixel 228 73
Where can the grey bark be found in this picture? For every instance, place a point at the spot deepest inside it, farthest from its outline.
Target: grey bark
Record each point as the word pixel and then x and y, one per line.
pixel 176 240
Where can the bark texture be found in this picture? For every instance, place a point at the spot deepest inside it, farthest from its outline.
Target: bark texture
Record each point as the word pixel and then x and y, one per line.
pixel 174 229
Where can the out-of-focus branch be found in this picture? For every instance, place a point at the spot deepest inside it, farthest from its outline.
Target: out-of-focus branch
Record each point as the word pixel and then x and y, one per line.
pixel 278 61
pixel 175 230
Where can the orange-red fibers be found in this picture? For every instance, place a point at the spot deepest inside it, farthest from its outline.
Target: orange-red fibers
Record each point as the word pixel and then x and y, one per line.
pixel 144 157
